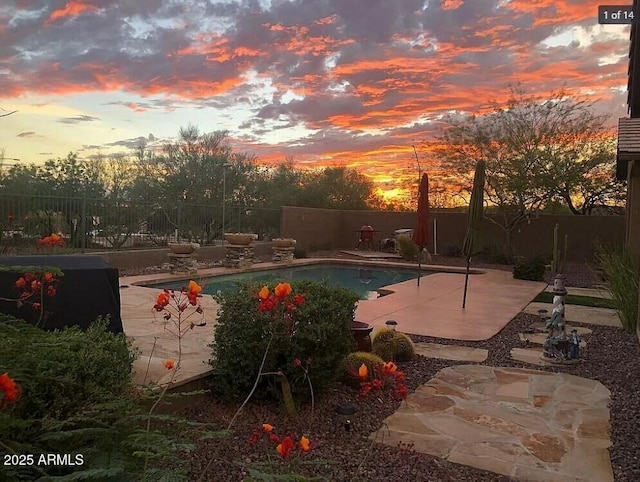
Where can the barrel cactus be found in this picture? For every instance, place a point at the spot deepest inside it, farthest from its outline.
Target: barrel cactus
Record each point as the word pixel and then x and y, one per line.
pixel 353 362
pixel 391 345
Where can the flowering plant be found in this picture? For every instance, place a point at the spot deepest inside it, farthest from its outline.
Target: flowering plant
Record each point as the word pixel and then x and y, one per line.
pixel 173 306
pixel 281 304
pixel 283 445
pixel 286 447
pixel 385 375
pixel 53 240
pixel 33 288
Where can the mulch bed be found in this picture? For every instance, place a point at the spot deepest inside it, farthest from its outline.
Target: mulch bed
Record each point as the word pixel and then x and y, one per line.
pixel 612 357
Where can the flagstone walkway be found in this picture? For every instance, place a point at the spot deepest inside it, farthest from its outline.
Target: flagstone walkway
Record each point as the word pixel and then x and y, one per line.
pixel 527 424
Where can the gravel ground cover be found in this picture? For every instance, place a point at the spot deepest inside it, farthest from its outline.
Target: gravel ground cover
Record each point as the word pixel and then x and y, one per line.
pixel 611 357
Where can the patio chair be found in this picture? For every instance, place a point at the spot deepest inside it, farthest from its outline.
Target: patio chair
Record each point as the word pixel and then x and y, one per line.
pixel 366 237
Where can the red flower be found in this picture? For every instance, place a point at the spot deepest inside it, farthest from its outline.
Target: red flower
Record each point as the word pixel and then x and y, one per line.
pixel 297 362
pixel 21 282
pixel 10 390
pixel 36 306
pixel 48 277
pixel 299 299
pixel 51 291
pixel 267 304
pixel 285 447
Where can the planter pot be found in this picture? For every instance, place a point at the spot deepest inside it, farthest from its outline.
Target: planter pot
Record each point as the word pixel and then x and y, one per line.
pixel 183 248
pixel 242 239
pixel 283 242
pixel 362 333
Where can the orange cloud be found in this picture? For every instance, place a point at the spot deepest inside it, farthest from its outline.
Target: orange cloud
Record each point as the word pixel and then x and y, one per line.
pixel 71 9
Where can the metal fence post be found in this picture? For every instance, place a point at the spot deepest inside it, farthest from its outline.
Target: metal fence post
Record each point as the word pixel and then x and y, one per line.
pixel 83 224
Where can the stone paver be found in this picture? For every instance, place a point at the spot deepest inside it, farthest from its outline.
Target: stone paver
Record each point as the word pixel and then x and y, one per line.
pixel 451 352
pixel 526 424
pixel 529 355
pixel 581 314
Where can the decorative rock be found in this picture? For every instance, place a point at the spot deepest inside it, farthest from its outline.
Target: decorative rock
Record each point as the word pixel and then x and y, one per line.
pixel 183 263
pixel 282 254
pixel 238 256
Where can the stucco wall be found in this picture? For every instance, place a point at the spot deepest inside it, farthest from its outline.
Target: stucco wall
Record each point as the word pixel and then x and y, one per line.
pixel 334 229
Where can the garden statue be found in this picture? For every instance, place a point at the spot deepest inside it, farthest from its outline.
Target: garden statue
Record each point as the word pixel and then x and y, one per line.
pixel 574 345
pixel 558 347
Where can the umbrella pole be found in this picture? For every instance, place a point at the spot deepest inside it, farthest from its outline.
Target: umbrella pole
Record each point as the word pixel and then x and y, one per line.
pixel 466 282
pixel 419 264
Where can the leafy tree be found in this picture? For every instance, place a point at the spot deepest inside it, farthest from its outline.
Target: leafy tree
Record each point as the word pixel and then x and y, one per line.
pixel 582 176
pixel 530 146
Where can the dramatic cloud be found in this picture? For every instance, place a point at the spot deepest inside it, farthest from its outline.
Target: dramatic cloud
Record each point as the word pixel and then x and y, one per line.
pixel 324 81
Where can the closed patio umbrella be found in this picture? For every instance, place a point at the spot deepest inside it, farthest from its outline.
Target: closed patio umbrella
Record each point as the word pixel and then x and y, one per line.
pixel 473 238
pixel 421 232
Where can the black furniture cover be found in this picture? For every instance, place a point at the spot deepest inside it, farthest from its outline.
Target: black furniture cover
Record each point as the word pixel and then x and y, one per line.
pixel 88 289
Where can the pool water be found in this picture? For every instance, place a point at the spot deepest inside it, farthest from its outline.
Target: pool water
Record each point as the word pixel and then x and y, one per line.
pixel 364 280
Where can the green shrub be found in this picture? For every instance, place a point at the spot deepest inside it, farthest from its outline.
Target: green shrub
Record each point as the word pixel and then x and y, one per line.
pixel 61 370
pixel 621 278
pixel 392 345
pixel 322 333
pixel 353 361
pixel 531 269
pixel 497 254
pixel 407 249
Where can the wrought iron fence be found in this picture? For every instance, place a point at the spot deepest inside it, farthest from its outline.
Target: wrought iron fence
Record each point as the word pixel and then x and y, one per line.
pixel 112 224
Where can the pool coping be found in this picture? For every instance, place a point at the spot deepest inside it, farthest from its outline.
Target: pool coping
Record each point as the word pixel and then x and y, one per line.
pixel 157 278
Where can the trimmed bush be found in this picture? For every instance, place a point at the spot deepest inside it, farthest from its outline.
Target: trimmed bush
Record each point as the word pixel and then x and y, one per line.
pixel 391 345
pixel 321 333
pixel 62 370
pixel 531 269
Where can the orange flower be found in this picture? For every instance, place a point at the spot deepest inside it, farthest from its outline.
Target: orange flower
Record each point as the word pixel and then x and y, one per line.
pixel 21 282
pixel 267 427
pixel 304 444
pixel 169 364
pixel 363 371
pixel 55 237
pixel 389 367
pixel 48 277
pixel 194 287
pixel 285 447
pixel 282 289
pixel 264 293
pixel 10 390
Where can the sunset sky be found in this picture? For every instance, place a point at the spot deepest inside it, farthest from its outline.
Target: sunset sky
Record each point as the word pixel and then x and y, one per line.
pixel 325 82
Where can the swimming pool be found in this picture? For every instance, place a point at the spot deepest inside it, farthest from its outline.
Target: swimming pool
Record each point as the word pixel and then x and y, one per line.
pixel 362 279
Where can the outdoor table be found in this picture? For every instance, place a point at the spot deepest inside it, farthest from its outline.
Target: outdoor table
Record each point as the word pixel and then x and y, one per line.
pixel 88 289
